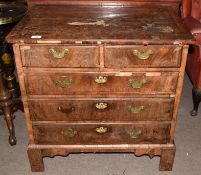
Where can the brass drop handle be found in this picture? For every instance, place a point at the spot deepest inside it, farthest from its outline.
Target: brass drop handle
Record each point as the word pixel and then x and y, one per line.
pixel 135 110
pixel 143 55
pixel 135 134
pixel 101 106
pixel 101 130
pixel 101 80
pixel 66 110
pixel 69 133
pixel 136 84
pixel 63 83
pixel 58 55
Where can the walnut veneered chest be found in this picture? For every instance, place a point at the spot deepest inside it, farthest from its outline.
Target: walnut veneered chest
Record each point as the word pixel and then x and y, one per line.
pixel 101 79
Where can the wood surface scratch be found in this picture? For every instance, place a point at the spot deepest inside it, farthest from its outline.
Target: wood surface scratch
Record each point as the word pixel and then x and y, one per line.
pixel 98 23
pixel 167 29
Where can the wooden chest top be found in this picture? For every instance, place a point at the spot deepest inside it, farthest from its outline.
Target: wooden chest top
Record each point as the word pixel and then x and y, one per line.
pixel 100 24
pixel 104 2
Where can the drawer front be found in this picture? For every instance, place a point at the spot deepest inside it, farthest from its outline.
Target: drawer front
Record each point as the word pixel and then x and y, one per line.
pixel 142 56
pixel 82 84
pixel 138 109
pixel 101 134
pixel 60 56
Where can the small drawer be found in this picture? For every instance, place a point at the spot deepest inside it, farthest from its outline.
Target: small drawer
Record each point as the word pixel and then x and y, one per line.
pixel 89 134
pixel 75 110
pixel 60 56
pixel 39 83
pixel 142 56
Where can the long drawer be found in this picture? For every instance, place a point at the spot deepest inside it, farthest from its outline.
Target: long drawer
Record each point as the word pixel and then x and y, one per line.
pixel 142 56
pixel 60 56
pixel 72 110
pixel 52 83
pixel 79 134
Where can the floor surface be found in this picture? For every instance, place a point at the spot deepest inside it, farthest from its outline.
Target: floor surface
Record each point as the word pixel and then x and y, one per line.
pixel 14 160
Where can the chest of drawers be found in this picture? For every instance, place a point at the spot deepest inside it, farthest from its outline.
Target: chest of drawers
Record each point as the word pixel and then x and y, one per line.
pixel 100 79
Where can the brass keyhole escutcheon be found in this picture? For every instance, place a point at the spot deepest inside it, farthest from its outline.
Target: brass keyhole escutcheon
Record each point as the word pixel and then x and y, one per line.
pixel 101 80
pixel 101 130
pixel 101 106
